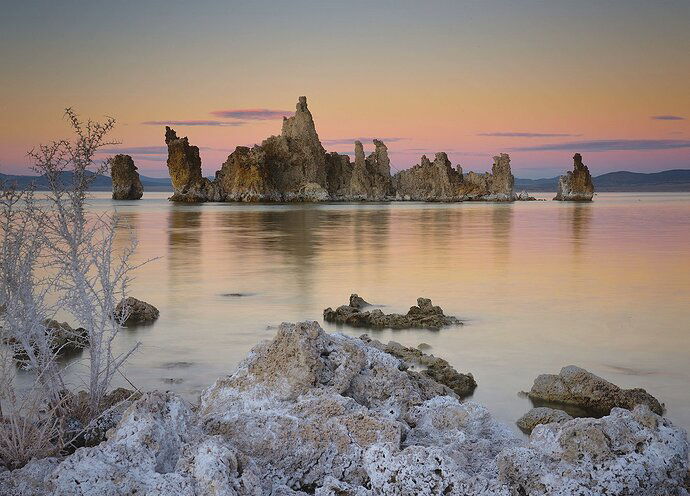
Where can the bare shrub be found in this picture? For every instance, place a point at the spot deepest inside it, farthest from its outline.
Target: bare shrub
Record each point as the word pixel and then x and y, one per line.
pixel 57 257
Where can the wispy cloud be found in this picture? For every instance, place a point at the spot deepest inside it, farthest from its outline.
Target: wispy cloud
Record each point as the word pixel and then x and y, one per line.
pixel 609 145
pixel 527 135
pixel 251 114
pixel 351 141
pixel 193 123
pixel 452 151
pixel 667 118
pixel 137 150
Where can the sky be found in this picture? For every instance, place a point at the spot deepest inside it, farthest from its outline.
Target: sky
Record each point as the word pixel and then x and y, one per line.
pixel 539 80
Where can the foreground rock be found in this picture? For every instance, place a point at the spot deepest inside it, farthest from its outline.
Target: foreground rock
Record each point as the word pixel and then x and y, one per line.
pixel 541 415
pixel 295 167
pixel 131 311
pixel 422 316
pixel 580 388
pixel 126 182
pixel 617 455
pixel 313 413
pixel 436 368
pixel 576 185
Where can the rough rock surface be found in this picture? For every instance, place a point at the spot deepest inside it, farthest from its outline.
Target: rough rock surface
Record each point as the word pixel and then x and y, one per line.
pixel 429 181
pixel 576 185
pixel 83 432
pixel 126 182
pixel 62 337
pixel 422 316
pixel 578 387
pixel 619 454
pixel 436 368
pixel 295 167
pixel 438 181
pixel 184 166
pixel 313 413
pixel 541 415
pixel 131 311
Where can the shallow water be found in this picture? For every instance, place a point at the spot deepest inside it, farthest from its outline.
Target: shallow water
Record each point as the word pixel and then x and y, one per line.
pixel 605 286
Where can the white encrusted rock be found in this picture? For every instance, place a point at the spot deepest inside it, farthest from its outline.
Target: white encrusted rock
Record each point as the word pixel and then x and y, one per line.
pixel 624 453
pixel 325 414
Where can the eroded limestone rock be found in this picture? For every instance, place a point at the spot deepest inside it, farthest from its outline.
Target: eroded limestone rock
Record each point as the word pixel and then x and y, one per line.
pixel 315 413
pixel 131 311
pixel 294 167
pixel 125 178
pixel 575 185
pixel 619 454
pixel 541 415
pixel 438 181
pixel 436 368
pixel 60 336
pixel 429 181
pixel 422 316
pixel 184 166
pixel 578 387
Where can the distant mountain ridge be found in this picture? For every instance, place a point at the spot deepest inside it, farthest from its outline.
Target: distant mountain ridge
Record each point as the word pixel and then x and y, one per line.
pixel 100 183
pixel 670 180
pixel 675 180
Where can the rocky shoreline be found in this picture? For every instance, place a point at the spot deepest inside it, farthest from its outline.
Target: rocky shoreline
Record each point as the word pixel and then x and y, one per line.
pixel 315 413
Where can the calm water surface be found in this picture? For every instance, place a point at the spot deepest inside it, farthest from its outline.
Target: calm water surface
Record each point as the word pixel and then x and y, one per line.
pixel 605 286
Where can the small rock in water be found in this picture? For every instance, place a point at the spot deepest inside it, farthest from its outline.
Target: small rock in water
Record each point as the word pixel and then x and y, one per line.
pixel 172 380
pixel 175 365
pixel 131 311
pixel 63 339
pixel 236 295
pixel 422 316
pixel 578 387
pixel 423 346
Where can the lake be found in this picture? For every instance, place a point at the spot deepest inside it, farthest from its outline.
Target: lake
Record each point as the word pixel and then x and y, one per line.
pixel 605 286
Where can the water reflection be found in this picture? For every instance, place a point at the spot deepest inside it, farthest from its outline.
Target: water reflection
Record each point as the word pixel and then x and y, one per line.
pixel 501 226
pixel 543 285
pixel 184 244
pixel 580 219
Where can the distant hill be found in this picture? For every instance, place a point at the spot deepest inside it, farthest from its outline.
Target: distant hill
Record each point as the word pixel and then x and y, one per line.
pixel 670 180
pixel 100 183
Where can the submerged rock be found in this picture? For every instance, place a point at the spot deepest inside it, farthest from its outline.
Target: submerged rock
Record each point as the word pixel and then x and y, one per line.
pixel 575 185
pixel 423 316
pixel 326 414
pixel 578 387
pixel 131 311
pixel 125 178
pixel 541 415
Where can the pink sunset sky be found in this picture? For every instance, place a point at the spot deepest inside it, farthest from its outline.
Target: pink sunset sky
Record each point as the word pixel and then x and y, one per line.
pixel 538 80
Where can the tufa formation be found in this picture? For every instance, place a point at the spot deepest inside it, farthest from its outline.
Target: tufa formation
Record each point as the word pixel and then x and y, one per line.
pixel 294 167
pixel 126 182
pixel 576 185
